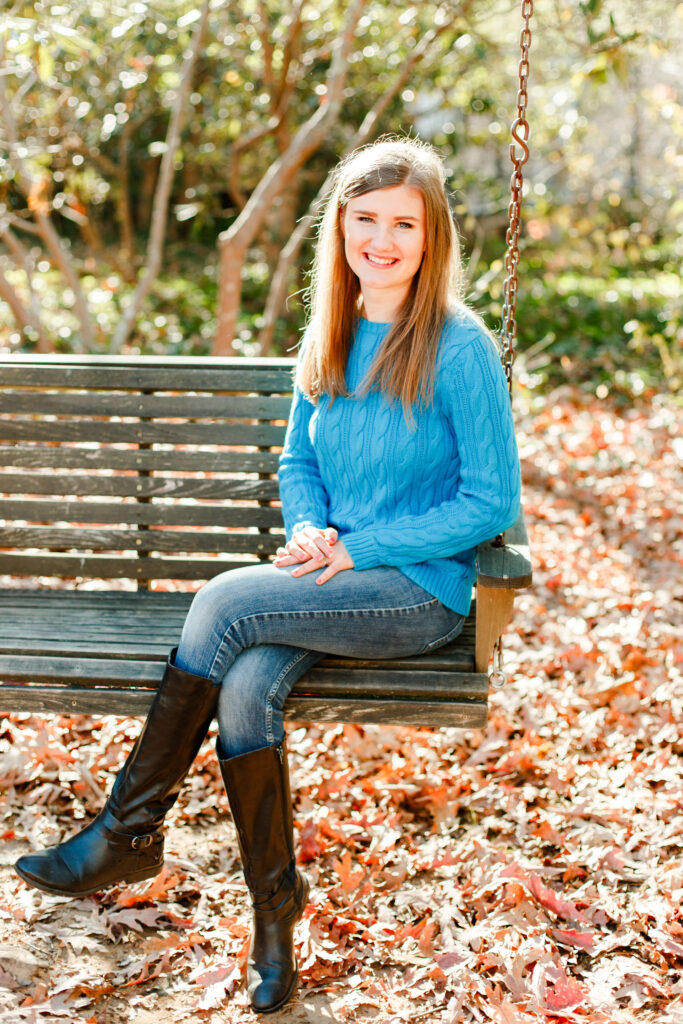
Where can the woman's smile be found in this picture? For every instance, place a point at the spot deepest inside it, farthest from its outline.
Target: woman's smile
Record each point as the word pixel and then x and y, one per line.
pixel 384 241
pixel 379 261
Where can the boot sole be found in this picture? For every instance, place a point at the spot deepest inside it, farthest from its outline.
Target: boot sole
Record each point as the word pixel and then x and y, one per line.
pixel 137 876
pixel 285 999
pixel 295 980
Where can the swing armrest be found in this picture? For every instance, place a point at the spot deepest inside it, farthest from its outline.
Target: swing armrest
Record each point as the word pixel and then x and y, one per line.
pixel 508 566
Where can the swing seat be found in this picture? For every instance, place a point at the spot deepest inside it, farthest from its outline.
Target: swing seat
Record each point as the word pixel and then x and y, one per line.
pixel 124 483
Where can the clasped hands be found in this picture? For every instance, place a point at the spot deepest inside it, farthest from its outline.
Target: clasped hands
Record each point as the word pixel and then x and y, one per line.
pixel 312 548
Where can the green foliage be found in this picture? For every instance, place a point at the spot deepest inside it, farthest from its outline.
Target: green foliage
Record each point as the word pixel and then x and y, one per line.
pixel 601 254
pixel 605 334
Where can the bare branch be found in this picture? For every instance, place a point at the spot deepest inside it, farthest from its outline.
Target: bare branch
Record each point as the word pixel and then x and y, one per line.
pixel 27 317
pixel 163 189
pixel 19 311
pixel 123 209
pixel 18 250
pixel 21 224
pixel 24 259
pixel 308 137
pixel 291 52
pixel 280 95
pixel 263 31
pixel 243 143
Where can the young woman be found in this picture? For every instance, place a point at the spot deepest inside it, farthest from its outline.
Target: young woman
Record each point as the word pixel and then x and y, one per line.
pixel 399 459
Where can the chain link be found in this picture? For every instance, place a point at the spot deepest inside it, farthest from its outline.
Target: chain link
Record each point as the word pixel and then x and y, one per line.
pixel 519 154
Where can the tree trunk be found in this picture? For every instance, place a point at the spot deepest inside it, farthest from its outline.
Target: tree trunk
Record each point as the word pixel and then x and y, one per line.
pixel 233 255
pixel 279 283
pixel 280 223
pixel 235 242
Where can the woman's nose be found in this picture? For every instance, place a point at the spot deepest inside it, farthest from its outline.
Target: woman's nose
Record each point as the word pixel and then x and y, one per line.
pixel 383 237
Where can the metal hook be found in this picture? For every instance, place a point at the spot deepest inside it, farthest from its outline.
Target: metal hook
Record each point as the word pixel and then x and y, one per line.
pixel 497 676
pixel 521 140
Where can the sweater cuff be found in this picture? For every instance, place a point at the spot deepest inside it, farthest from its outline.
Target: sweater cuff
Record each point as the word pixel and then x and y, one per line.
pixel 300 523
pixel 363 551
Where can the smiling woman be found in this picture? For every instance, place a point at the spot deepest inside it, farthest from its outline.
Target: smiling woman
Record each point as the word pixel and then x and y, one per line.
pixel 384 241
pixel 399 459
pixel 387 250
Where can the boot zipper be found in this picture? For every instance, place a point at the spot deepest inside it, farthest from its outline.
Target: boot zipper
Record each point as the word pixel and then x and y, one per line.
pixel 289 839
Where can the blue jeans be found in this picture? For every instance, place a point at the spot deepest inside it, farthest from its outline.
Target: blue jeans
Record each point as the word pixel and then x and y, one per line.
pixel 256 630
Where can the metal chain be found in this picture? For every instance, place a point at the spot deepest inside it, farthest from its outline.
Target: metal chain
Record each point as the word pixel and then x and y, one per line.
pixel 508 331
pixel 519 154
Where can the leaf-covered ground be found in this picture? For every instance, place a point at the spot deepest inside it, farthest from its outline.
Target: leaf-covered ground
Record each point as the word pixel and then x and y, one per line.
pixel 531 871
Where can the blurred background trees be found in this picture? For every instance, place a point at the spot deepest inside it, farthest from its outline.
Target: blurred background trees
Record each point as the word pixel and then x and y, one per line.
pixel 160 164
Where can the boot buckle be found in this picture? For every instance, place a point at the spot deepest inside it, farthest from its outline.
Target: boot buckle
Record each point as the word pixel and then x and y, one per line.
pixel 141 842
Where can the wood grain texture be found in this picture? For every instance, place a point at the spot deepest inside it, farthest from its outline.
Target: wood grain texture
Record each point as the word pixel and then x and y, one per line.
pixel 132 486
pixel 171 541
pixel 79 404
pixel 187 459
pixel 103 701
pixel 107 625
pixel 158 512
pixel 493 613
pixel 116 567
pixel 148 373
pixel 106 431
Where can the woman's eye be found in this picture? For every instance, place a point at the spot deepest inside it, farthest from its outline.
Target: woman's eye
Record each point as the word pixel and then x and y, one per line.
pixel 364 217
pixel 405 224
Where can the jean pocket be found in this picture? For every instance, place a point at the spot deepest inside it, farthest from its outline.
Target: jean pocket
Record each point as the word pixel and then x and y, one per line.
pixel 446 638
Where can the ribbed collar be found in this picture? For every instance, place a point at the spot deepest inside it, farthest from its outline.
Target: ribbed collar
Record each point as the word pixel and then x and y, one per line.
pixel 371 328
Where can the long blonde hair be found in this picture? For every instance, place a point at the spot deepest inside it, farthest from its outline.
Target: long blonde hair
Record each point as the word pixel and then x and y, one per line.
pixel 404 365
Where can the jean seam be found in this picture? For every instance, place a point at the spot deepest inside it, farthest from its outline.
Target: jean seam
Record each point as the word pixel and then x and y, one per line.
pixel 273 690
pixel 315 613
pixel 448 635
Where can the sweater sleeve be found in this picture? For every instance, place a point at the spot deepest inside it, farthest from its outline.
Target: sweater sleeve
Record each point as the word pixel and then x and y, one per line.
pixel 302 492
pixel 473 395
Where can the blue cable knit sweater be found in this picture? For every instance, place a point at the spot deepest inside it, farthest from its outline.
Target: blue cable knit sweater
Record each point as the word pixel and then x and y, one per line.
pixel 419 497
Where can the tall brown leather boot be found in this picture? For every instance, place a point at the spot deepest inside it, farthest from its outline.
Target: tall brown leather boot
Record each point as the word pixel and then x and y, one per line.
pixel 125 842
pixel 257 785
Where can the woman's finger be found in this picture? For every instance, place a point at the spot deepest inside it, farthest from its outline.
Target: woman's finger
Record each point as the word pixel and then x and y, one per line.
pixel 316 542
pixel 328 573
pixel 305 567
pixel 340 560
pixel 314 551
pixel 285 559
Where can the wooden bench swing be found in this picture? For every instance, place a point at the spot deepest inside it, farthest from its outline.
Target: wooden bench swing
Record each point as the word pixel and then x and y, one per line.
pixel 118 472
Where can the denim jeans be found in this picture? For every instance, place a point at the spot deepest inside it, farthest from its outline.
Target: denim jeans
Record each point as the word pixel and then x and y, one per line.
pixel 256 630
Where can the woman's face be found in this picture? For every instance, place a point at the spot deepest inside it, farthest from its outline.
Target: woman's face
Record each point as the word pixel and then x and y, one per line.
pixel 384 239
